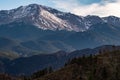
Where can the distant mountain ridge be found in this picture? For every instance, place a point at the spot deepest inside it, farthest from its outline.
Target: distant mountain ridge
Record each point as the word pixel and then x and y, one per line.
pixel 47 18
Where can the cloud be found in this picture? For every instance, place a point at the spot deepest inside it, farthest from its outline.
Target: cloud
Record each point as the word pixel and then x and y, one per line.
pixel 103 8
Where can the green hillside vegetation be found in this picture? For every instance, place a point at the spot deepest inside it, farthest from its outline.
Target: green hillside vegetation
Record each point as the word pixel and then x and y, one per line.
pixel 104 66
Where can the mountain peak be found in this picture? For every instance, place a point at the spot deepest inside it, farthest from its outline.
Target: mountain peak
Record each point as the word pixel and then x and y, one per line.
pixel 47 18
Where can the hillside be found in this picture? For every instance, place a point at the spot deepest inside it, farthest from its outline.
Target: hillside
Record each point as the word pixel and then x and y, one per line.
pixel 41 61
pixel 101 66
pixel 104 66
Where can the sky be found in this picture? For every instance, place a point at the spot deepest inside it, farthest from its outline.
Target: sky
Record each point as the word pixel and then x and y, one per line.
pixel 79 7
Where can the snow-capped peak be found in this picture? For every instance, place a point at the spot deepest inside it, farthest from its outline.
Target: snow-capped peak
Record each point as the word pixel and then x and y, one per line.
pixel 48 18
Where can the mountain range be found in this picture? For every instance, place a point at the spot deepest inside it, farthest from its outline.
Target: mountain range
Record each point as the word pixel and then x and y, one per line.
pixel 35 29
pixel 37 36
